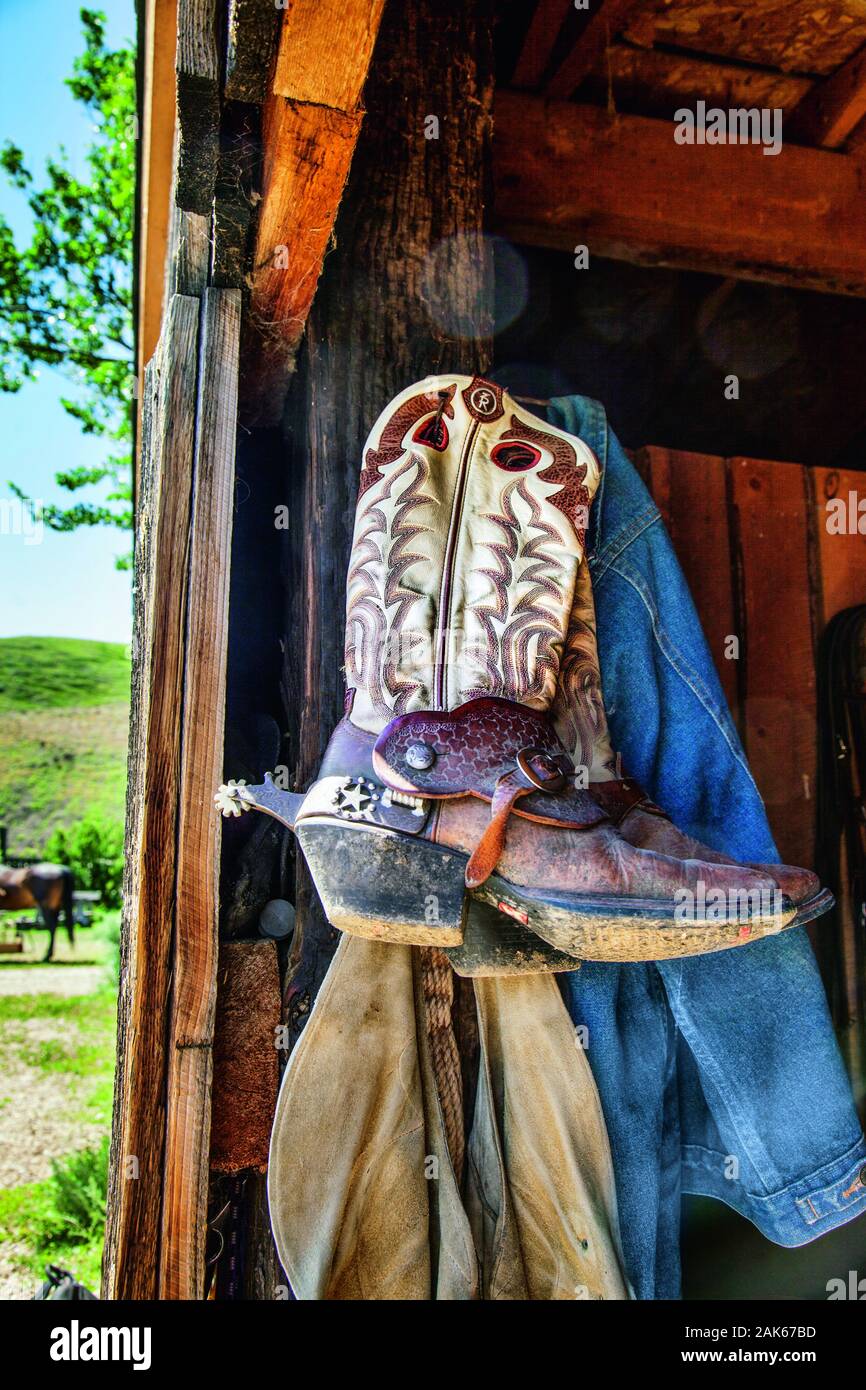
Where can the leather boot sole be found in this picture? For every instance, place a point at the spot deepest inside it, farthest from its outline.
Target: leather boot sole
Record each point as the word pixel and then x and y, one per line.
pixel 391 887
pixel 610 928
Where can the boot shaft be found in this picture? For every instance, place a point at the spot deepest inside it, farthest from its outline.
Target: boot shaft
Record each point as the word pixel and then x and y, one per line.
pixel 469 534
pixel 578 712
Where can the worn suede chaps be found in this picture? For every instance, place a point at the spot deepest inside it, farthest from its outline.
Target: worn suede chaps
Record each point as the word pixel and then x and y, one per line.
pixel 364 1200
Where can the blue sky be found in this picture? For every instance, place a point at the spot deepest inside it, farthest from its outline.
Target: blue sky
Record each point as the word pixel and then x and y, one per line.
pixel 67 585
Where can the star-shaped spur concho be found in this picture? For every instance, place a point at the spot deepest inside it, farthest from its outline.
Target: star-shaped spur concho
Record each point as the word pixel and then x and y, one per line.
pixel 355 801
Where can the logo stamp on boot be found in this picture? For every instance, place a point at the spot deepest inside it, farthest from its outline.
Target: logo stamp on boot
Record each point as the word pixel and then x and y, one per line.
pixel 483 399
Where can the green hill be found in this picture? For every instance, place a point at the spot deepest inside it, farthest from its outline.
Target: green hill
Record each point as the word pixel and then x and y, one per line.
pixel 64 708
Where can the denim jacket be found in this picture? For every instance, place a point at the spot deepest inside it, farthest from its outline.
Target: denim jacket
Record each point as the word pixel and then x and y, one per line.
pixel 719 1075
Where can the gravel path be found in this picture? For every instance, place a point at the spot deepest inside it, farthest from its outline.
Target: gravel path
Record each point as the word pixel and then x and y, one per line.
pixel 35 1121
pixel 39 1116
pixel 66 980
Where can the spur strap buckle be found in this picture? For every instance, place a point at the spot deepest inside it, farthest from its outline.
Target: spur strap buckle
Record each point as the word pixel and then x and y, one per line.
pixel 541 770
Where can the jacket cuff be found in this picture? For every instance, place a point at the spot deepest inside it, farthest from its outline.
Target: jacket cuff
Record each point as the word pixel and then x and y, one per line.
pixel 795 1215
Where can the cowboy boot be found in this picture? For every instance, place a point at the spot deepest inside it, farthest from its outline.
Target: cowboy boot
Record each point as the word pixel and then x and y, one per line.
pixel 468 539
pixel 433 469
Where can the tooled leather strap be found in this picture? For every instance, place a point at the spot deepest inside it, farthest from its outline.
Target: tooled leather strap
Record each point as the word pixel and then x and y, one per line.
pixel 468 750
pixel 491 748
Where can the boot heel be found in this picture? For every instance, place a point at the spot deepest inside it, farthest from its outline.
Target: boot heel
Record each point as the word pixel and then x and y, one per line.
pixel 386 886
pixel 494 943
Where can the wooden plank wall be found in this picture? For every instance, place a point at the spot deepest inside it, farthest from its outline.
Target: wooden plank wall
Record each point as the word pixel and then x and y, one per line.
pixel 753 541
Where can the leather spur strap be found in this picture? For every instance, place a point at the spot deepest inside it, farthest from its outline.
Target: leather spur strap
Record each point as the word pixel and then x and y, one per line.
pixel 616 799
pixel 490 748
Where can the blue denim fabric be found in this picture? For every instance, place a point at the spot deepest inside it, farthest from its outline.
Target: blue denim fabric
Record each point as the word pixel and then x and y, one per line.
pixel 719 1075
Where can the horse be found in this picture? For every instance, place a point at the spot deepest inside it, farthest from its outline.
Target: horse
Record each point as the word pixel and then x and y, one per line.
pixel 47 887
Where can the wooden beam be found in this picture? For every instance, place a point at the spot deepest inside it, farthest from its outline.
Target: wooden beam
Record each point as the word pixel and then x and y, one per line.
pixel 246 1059
pixel 308 151
pixel 325 50
pixel 188 251
pixel 653 82
pixel 237 173
pixel 608 18
pixel 567 174
pixel 190 1054
pixel 198 104
pixel 831 109
pixel 791 35
pixel 157 158
pixel 310 124
pixel 135 1180
pixel 250 41
pixel 779 715
pixel 535 55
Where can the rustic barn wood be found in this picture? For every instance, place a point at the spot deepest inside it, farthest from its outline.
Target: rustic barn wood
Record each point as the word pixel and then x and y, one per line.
pixel 764 565
pixel 245 1056
pixel 234 196
pixel 655 82
pixel 536 51
pixel 831 109
pixel 250 42
pixel 325 50
pixel 198 104
pixel 794 35
pixel 152 799
pixel 406 292
pixel 606 20
pixel 157 162
pixel 743 530
pixel 690 491
pixel 264 1280
pixel 567 173
pixel 310 123
pixel 778 637
pixel 308 150
pixel 188 253
pixel 193 995
pixel 841 554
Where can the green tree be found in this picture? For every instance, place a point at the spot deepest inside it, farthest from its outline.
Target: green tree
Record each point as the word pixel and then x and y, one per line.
pixel 93 850
pixel 66 297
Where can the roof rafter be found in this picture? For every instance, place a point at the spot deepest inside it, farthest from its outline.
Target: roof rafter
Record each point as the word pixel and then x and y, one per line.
pixel 567 174
pixel 535 55
pixel 610 17
pixel 831 109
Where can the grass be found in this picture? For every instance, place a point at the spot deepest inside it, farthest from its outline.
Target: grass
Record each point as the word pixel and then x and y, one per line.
pixel 82 1048
pixel 57 672
pixel 64 710
pixel 60 1220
